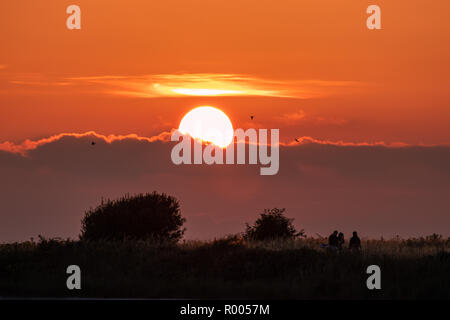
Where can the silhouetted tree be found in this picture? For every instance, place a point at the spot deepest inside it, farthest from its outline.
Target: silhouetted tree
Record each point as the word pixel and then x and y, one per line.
pixel 272 224
pixel 143 216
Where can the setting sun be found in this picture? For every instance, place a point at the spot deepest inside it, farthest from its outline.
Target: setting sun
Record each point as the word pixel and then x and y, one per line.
pixel 208 124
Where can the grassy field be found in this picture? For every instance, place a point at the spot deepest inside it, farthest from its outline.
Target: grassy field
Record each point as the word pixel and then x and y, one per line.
pixel 226 268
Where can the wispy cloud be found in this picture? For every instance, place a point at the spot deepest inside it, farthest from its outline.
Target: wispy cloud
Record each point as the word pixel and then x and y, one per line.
pixel 185 84
pixel 209 84
pixel 26 81
pixel 292 118
pixel 39 83
pixel 299 116
pixel 305 140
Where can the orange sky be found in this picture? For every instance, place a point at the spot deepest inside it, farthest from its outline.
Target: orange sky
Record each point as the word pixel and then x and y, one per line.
pixel 310 68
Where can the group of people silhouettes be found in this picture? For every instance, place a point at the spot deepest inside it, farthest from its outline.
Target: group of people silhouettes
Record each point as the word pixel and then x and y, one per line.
pixel 336 241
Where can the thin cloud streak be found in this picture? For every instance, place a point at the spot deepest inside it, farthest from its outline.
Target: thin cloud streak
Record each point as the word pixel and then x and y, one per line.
pixel 209 84
pixel 305 140
pixel 299 116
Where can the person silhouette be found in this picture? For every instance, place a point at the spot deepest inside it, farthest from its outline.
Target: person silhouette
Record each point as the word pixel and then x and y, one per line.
pixel 340 241
pixel 355 242
pixel 333 240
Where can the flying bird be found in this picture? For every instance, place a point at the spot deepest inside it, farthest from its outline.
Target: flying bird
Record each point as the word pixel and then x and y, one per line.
pixel 296 139
pixel 93 143
pixel 251 117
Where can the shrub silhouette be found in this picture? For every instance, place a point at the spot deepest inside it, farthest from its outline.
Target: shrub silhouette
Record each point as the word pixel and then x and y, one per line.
pixel 140 217
pixel 272 224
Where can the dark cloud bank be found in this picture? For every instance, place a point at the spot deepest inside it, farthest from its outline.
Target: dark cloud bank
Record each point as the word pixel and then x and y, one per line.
pixel 377 190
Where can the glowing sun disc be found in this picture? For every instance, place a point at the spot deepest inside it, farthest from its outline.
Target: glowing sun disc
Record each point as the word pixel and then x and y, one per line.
pixel 208 124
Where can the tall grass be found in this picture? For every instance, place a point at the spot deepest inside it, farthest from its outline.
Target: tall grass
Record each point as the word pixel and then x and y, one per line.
pixel 226 268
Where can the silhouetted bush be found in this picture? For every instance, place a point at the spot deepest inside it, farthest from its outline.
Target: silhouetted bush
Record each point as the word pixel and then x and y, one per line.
pixel 144 216
pixel 227 242
pixel 272 224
